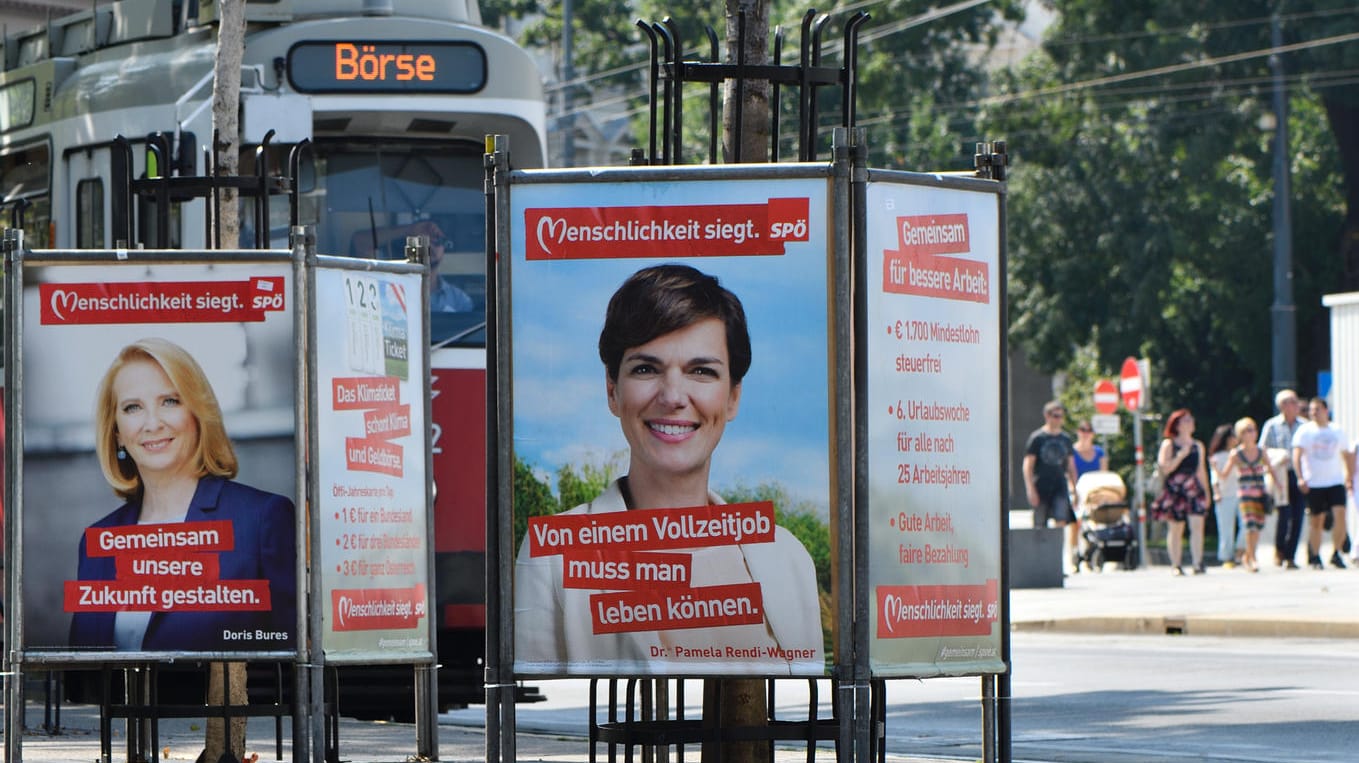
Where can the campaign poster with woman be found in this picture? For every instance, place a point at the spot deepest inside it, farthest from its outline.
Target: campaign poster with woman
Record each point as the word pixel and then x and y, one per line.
pixel 159 458
pixel 671 428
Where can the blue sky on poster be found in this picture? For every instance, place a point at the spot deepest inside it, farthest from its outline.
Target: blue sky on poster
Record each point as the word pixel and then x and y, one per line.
pixel 781 431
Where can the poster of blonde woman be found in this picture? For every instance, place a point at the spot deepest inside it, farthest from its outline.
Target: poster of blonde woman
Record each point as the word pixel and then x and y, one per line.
pixel 159 459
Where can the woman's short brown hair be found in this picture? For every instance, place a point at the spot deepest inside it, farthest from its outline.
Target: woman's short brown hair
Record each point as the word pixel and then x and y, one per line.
pixel 214 455
pixel 1173 422
pixel 658 300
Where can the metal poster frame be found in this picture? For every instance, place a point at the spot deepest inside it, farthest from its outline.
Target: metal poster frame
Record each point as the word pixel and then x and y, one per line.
pixel 423 662
pixel 501 554
pixel 995 684
pixel 16 660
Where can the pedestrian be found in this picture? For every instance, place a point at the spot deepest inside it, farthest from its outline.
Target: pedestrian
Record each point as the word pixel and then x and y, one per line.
pixel 1248 464
pixel 1225 501
pixel 1349 546
pixel 1050 477
pixel 1277 434
pixel 1089 456
pixel 1184 496
pixel 1325 470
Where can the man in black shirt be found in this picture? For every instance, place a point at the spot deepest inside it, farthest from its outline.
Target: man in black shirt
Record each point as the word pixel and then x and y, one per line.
pixel 1050 476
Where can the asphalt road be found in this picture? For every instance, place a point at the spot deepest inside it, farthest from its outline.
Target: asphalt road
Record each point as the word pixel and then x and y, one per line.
pixel 1077 699
pixel 1105 699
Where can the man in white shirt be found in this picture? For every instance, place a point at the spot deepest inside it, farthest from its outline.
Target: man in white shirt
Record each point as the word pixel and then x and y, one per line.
pixel 1325 468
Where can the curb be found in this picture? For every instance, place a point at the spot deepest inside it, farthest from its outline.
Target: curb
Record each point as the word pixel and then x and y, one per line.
pixel 1201 625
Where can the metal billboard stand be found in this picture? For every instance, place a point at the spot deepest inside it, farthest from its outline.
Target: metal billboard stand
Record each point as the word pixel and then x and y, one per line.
pixel 103 293
pixel 653 726
pixel 269 298
pixel 949 233
pixel 859 684
pixel 863 664
pixel 373 494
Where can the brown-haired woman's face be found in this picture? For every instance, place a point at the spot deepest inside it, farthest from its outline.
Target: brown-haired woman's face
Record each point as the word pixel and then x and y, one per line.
pixel 673 398
pixel 1185 426
pixel 152 422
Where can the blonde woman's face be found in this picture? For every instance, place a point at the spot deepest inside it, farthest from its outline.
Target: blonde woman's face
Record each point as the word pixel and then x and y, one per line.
pixel 152 422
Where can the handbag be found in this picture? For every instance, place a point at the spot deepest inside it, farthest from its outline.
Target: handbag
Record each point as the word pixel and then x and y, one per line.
pixel 1157 483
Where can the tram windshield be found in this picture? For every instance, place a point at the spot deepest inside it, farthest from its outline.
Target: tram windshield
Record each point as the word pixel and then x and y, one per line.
pixel 366 198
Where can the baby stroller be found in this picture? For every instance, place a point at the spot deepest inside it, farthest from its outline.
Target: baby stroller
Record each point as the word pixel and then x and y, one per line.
pixel 1106 521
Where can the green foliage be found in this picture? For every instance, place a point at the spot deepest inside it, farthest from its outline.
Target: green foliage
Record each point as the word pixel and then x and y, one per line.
pixel 1140 213
pixel 905 69
pixel 532 498
pixel 799 518
pixel 577 485
pixel 802 520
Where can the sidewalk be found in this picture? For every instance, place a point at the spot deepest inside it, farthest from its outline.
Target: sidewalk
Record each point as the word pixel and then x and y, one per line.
pixel 1273 602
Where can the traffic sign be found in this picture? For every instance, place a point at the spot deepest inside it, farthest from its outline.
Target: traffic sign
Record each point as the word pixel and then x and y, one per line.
pixel 1130 384
pixel 1106 396
pixel 1106 423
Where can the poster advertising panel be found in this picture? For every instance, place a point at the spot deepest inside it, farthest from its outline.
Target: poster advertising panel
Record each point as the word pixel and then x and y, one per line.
pixel 160 458
pixel 671 426
pixel 934 444
pixel 371 467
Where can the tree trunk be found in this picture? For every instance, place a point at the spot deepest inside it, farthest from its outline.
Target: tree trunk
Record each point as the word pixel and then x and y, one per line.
pixel 226 100
pixel 754 126
pixel 215 740
pixel 226 109
pixel 742 700
pixel 1344 118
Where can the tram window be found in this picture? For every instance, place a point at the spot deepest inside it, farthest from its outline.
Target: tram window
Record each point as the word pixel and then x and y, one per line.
pixel 90 214
pixel 16 104
pixel 24 192
pixel 370 196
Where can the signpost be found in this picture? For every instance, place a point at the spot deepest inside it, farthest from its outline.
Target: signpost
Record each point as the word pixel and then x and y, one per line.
pixel 1130 387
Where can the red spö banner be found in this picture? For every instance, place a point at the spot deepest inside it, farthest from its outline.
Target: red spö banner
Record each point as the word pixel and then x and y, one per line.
pixel 682 230
pixel 914 611
pixel 141 540
pixel 918 266
pixel 166 595
pixel 653 529
pixel 161 301
pixel 626 570
pixel 670 609
pixel 370 609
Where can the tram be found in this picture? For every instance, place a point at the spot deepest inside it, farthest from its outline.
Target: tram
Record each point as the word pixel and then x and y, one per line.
pixel 395 97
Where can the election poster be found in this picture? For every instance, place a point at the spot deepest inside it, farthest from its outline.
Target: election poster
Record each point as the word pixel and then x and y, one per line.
pixel 671 428
pixel 159 463
pixel 371 432
pixel 933 411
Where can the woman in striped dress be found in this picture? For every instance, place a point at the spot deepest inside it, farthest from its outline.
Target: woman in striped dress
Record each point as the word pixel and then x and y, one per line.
pixel 1250 463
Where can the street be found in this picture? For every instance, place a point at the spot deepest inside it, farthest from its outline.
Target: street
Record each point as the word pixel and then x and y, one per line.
pixel 1151 698
pixel 1106 698
pixel 1078 699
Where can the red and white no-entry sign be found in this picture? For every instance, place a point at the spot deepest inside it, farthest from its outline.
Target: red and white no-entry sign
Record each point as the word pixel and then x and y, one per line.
pixel 1106 396
pixel 1130 384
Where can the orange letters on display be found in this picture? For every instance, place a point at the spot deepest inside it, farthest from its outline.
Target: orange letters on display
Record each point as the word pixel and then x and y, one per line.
pixel 353 62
